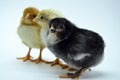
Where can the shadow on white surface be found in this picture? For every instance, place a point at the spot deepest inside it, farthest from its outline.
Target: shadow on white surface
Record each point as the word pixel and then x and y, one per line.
pixel 94 75
pixel 48 72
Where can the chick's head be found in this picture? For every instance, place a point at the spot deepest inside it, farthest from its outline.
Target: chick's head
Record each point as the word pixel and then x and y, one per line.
pixel 45 16
pixel 59 28
pixel 28 15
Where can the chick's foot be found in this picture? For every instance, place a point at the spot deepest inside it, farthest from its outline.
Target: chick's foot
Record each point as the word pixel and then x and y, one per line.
pixel 38 60
pixel 72 69
pixel 27 57
pixel 58 62
pixel 74 75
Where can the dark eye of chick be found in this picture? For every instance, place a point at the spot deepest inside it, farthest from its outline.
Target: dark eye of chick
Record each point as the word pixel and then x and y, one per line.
pixel 41 17
pixel 61 27
pixel 33 16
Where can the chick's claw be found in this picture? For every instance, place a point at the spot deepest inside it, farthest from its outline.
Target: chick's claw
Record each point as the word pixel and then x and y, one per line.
pixel 64 76
pixel 27 57
pixel 74 75
pixel 71 75
pixel 58 62
pixel 63 66
pixel 38 60
pixel 72 69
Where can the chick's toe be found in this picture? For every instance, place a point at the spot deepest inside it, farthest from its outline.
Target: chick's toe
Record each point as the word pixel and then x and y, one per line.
pixel 58 62
pixel 27 57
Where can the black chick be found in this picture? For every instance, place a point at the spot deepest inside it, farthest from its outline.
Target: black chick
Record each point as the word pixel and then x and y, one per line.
pixel 79 48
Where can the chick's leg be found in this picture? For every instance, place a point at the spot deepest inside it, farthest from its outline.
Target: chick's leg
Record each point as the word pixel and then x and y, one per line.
pixel 58 62
pixel 39 59
pixel 27 57
pixel 74 75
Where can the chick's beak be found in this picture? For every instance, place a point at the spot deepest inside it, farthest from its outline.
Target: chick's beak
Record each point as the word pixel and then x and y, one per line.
pixel 52 29
pixel 27 15
pixel 35 19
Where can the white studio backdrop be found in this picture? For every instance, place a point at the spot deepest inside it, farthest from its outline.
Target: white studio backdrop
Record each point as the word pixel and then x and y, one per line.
pixel 101 16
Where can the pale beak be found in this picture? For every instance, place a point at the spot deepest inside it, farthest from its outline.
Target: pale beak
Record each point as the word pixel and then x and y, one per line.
pixel 35 19
pixel 52 29
pixel 27 15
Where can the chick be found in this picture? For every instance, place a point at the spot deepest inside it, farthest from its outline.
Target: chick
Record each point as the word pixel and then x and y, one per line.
pixel 79 48
pixel 31 33
pixel 43 19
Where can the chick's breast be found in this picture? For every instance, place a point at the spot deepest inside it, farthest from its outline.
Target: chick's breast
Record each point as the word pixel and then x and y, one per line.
pixel 30 36
pixel 43 34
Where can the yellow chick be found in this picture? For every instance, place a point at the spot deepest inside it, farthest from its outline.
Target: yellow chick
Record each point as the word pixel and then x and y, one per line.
pixel 31 34
pixel 43 19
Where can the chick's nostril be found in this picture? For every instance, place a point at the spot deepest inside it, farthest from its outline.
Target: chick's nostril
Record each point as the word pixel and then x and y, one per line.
pixel 53 30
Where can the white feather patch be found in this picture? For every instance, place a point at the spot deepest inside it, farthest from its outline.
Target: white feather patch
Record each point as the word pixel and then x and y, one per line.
pixel 81 56
pixel 51 38
pixel 27 15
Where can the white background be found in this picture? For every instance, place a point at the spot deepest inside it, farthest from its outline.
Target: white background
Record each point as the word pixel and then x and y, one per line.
pixel 101 16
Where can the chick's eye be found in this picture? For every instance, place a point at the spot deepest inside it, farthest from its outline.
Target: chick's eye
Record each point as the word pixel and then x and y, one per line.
pixel 62 27
pixel 41 17
pixel 33 16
